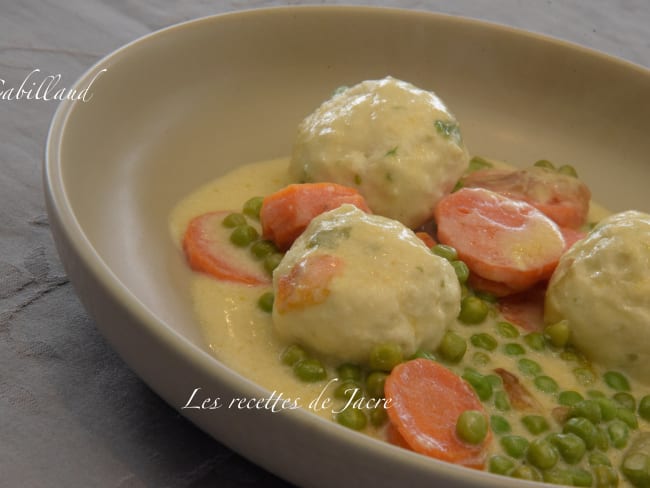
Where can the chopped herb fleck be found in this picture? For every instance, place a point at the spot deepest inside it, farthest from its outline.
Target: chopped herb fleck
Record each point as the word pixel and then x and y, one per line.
pixel 329 238
pixel 392 152
pixel 449 130
pixel 477 163
pixel 339 90
pixel 357 179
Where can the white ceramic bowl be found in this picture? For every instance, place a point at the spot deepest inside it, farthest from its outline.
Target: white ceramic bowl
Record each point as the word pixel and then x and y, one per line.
pixel 184 105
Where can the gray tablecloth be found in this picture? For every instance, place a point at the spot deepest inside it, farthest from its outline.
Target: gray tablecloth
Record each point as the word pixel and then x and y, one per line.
pixel 72 414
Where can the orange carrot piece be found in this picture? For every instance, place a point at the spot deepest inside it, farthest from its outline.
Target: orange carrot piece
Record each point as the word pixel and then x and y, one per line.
pixel 525 309
pixel 563 198
pixel 500 239
pixel 208 250
pixel 286 213
pixel 307 283
pixel 424 401
pixel 571 236
pixel 519 396
pixel 426 238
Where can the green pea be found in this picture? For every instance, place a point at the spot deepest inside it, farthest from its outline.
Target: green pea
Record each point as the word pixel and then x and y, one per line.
pixel 310 370
pixel 292 354
pixel 546 384
pixel 477 163
pixel 588 409
pixel 262 248
pixel 473 310
pixel 500 464
pixel 571 447
pixel 627 416
pixel 529 367
pixel 616 381
pixel 619 433
pixel 558 477
pixel 558 333
pixel 535 424
pixel 494 380
pixel 384 357
pixel 644 407
pixel 484 341
pixel 544 163
pixel 636 468
pixel 480 359
pixel 602 439
pixel 348 389
pixel 472 427
pixel 525 472
pixel 542 454
pixel 507 330
pixel 375 384
pixel 444 251
pixel 422 354
pixel 462 271
pixel 607 408
pixel 605 477
pixel 535 341
pixel 595 394
pixel 568 356
pixel 252 207
pixel 348 371
pixel 485 296
pixel 514 349
pixel 569 398
pixel 598 458
pixel 625 400
pixel 501 401
pixel 584 376
pixel 581 477
pixel 452 347
pixel 378 416
pixel 352 418
pixel 233 220
pixel 567 169
pixel 583 428
pixel 265 301
pixel 480 384
pixel 499 425
pixel 272 261
pixel 243 235
pixel 514 445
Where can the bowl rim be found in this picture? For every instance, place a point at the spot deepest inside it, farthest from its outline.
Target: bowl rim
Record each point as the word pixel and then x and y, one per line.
pixel 61 208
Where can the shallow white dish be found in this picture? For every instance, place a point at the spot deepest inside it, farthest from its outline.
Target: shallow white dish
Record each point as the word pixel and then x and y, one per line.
pixel 184 105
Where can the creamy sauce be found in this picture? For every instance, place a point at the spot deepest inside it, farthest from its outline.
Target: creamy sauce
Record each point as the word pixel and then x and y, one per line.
pixel 240 334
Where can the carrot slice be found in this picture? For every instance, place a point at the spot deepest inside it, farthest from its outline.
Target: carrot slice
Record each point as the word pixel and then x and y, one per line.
pixel 424 401
pixel 208 249
pixel 525 309
pixel 286 213
pixel 500 239
pixel 426 238
pixel 307 283
pixel 563 198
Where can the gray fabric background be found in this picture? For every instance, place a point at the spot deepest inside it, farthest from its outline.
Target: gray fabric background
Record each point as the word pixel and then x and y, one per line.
pixel 72 414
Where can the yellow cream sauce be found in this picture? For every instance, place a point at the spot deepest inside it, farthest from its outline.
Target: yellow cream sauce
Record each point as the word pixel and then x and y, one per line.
pixel 241 335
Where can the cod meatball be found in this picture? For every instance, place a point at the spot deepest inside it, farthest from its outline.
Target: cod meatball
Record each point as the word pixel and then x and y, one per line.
pixel 396 143
pixel 352 281
pixel 602 287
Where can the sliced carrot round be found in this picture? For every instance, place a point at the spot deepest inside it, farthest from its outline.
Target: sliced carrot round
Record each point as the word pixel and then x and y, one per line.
pixel 208 249
pixel 562 198
pixel 424 401
pixel 500 239
pixel 285 214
